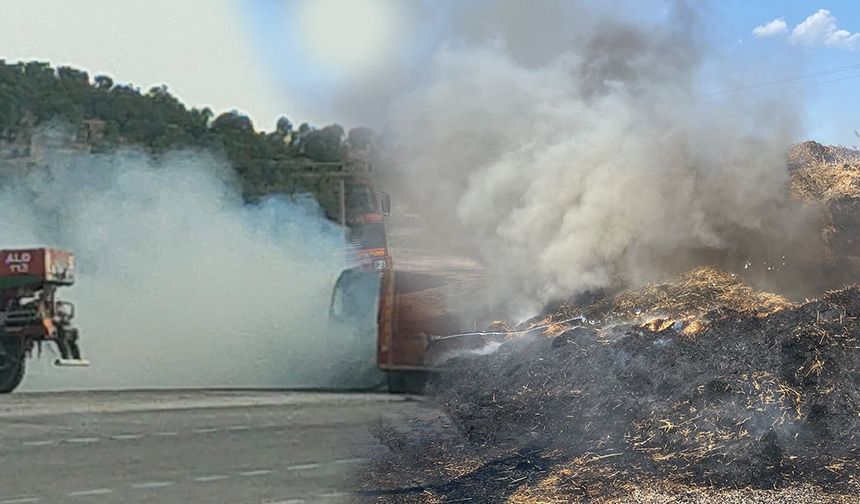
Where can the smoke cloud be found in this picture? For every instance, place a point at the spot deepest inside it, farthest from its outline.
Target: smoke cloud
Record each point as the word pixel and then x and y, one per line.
pixel 575 152
pixel 180 284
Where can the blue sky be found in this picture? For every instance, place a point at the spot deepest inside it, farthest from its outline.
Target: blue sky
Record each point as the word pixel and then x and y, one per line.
pixel 831 109
pixel 248 54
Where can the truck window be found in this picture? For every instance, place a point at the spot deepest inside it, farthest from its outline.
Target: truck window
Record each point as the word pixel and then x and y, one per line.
pixel 355 297
pixel 360 200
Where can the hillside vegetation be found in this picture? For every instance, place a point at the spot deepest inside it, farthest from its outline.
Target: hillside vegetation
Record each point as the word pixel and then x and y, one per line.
pixel 34 94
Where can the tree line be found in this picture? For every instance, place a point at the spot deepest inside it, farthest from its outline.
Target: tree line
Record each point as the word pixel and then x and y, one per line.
pixel 34 93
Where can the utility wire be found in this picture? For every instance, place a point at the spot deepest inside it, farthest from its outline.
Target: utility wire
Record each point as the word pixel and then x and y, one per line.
pixel 780 90
pixel 797 78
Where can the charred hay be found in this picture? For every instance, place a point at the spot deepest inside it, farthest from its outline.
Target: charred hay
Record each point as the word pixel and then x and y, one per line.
pixel 749 401
pixel 765 395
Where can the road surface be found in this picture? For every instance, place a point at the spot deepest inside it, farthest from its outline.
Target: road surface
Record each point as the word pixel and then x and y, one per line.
pixel 188 446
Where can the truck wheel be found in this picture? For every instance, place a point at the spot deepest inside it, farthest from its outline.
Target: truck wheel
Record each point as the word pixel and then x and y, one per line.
pixel 406 382
pixel 11 367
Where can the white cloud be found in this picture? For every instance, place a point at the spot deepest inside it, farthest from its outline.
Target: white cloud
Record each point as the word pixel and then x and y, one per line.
pixel 821 30
pixel 770 29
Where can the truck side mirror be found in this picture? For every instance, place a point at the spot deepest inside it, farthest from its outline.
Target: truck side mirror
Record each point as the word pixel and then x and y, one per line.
pixel 385 203
pixel 65 310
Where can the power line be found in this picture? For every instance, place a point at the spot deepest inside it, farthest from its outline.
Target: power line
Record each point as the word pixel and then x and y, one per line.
pixel 797 78
pixel 781 90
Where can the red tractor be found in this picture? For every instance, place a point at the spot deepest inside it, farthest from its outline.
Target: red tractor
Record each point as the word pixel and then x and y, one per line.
pixel 30 312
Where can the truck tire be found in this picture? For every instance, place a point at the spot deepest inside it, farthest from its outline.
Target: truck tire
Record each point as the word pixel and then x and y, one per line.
pixel 12 368
pixel 406 382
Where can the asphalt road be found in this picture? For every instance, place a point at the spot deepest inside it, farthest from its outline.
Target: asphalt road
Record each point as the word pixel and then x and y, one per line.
pixel 188 446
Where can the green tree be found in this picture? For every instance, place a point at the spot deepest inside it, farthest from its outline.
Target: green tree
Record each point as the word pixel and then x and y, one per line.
pixel 34 93
pixel 360 138
pixel 103 82
pixel 325 144
pixel 284 127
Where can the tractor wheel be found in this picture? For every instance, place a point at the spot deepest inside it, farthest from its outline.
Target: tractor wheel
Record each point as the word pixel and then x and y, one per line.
pixel 12 366
pixel 406 382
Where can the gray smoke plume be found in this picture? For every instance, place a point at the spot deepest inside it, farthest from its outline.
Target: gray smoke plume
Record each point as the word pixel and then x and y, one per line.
pixel 180 284
pixel 575 150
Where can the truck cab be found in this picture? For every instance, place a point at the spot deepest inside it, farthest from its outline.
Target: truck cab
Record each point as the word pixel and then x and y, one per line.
pixel 366 235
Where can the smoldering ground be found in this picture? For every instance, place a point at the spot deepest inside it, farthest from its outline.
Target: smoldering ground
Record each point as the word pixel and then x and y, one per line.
pixel 181 284
pixel 596 411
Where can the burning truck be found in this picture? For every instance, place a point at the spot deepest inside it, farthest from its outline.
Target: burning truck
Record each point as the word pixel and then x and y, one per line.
pixel 30 312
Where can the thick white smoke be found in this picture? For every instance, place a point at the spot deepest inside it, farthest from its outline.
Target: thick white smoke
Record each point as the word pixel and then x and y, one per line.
pixel 592 159
pixel 180 284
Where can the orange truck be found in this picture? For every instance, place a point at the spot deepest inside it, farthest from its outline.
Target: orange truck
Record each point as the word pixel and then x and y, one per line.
pixel 31 314
pixel 370 300
pixel 406 317
pixel 397 311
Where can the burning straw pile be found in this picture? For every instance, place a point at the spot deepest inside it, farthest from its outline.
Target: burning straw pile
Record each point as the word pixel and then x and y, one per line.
pixel 764 394
pixel 684 300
